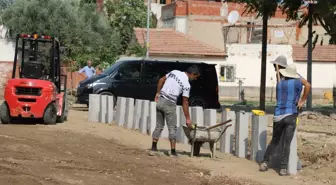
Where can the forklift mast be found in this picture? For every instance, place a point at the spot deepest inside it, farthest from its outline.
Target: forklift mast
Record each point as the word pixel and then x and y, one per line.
pixel 38 65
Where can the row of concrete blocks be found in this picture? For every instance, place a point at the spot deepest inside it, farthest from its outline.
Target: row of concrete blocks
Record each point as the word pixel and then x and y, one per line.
pixel 141 115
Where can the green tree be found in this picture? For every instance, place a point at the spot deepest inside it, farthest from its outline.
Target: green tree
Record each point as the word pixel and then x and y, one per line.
pixel 3 5
pixel 124 15
pixel 84 32
pixel 323 12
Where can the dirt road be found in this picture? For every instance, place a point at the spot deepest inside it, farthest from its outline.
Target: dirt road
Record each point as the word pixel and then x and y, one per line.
pixel 39 154
pixel 79 152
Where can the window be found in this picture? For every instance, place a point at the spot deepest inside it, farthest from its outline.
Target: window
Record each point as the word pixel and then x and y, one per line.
pixel 227 73
pixel 156 70
pixel 130 71
pixel 153 72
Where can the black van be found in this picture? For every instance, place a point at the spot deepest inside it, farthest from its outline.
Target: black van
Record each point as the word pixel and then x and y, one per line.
pixel 137 78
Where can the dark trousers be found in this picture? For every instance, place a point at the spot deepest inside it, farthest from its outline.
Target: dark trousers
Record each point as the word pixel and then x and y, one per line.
pixel 286 127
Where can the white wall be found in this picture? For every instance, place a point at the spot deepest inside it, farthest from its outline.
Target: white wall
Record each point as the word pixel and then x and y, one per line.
pixel 323 73
pixel 156 9
pixel 6 48
pixel 177 23
pixel 247 59
pixel 181 24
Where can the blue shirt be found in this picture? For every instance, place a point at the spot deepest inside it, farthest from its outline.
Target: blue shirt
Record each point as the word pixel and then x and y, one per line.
pixel 288 95
pixel 89 71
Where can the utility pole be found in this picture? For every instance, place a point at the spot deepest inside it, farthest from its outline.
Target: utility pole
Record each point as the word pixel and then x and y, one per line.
pixel 148 22
pixel 262 96
pixel 310 49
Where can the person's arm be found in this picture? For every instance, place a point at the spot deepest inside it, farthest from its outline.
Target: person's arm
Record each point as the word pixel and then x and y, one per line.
pixel 81 72
pixel 185 105
pixel 159 86
pixel 306 91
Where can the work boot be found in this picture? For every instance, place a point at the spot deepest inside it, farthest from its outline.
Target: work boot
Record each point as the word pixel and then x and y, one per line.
pixel 283 172
pixel 174 154
pixel 153 152
pixel 263 167
pixel 171 154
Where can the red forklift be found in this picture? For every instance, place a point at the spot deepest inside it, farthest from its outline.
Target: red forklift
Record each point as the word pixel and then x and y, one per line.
pixel 35 89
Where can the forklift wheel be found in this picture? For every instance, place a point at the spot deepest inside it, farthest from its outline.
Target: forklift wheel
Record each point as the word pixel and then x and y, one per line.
pixel 50 114
pixel 4 114
pixel 63 117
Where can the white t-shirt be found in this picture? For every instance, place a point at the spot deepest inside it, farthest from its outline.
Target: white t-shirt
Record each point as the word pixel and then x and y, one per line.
pixel 177 83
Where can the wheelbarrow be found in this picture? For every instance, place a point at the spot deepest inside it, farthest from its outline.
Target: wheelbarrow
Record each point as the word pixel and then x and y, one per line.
pixel 199 135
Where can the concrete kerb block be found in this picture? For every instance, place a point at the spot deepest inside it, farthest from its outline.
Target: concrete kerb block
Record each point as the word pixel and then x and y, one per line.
pixel 137 114
pixel 180 132
pixel 242 121
pixel 121 110
pixel 293 157
pixel 103 109
pixel 129 115
pixel 293 161
pixel 178 121
pixel 165 132
pixel 110 111
pixel 94 107
pixel 144 116
pixel 210 119
pixel 227 141
pixel 258 138
pixel 151 121
pixel 197 115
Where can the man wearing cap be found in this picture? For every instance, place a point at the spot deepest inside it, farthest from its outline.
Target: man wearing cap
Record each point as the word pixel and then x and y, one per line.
pixel 286 112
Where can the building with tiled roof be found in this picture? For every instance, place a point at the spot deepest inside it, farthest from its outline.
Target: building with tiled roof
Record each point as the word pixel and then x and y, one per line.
pixel 320 53
pixel 168 42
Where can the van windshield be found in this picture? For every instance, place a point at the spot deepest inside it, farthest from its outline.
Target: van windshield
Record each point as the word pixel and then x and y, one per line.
pixel 112 68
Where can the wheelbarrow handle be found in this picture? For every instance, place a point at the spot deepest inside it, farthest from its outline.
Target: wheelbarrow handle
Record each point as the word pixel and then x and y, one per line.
pixel 227 126
pixel 219 124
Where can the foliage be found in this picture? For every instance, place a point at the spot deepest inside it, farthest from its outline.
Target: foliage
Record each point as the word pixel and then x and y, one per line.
pixel 136 49
pixel 3 5
pixel 323 12
pixel 84 32
pixel 124 15
pixel 88 2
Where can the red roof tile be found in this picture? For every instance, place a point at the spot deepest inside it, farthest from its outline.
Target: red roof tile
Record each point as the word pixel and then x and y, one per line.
pixel 169 41
pixel 320 53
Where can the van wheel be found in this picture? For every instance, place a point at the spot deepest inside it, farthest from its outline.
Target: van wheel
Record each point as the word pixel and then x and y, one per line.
pixel 197 101
pixel 4 114
pixel 50 114
pixel 110 94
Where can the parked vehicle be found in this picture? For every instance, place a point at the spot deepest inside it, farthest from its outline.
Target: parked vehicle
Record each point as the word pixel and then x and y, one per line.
pixel 137 78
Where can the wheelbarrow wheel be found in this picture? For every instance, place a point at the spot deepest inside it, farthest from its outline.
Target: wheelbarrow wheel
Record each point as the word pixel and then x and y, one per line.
pixel 197 148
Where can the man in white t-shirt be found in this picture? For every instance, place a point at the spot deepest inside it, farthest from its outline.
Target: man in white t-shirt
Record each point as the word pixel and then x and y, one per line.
pixel 170 87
